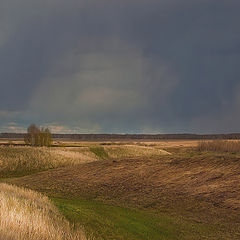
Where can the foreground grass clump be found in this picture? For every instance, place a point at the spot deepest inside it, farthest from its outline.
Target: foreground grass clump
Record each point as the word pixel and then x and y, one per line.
pixel 219 146
pixel 99 152
pixel 20 161
pixel 27 215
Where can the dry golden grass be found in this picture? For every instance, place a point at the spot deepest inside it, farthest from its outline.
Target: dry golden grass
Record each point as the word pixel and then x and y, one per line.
pixel 219 146
pixel 27 215
pixel 169 143
pixel 23 160
pixel 130 151
pixel 75 155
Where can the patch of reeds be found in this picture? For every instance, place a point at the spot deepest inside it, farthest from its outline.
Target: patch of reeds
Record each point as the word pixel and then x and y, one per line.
pixel 219 146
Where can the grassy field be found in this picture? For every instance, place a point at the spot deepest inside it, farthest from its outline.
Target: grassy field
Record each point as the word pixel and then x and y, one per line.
pixel 142 190
pixel 25 160
pixel 114 222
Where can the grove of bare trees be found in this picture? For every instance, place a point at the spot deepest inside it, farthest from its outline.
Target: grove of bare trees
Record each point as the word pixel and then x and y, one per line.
pixel 38 136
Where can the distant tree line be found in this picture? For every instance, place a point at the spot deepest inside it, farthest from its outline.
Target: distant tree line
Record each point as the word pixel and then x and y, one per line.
pixel 109 137
pixel 38 136
pixel 146 136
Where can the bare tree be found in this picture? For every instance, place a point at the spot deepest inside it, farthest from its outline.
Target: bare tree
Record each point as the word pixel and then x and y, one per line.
pixel 38 137
pixel 47 137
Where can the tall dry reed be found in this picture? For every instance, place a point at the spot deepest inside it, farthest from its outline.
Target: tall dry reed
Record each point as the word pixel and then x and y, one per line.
pixel 219 146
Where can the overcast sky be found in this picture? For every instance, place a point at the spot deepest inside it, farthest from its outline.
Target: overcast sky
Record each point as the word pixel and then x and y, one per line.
pixel 129 66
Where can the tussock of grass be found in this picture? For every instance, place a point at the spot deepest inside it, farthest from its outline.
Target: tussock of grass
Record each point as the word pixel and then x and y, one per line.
pixel 99 152
pixel 219 146
pixel 27 215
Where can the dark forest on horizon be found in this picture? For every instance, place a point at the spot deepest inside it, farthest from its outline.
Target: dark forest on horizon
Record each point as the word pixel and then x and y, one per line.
pixel 129 136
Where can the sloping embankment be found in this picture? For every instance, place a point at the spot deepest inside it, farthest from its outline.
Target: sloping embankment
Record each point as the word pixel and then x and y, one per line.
pixel 27 215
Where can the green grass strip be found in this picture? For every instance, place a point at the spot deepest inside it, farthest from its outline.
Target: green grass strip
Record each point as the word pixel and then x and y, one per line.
pixel 112 222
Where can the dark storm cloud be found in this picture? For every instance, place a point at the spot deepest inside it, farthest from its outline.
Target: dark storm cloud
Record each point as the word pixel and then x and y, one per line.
pixel 120 66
